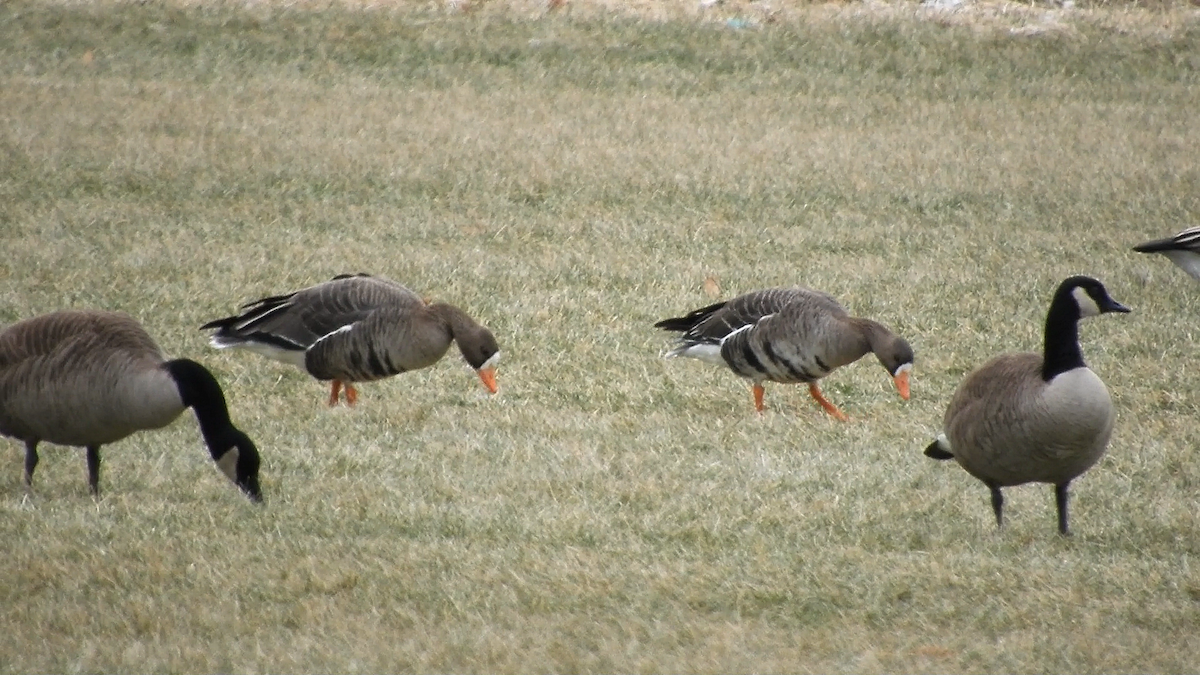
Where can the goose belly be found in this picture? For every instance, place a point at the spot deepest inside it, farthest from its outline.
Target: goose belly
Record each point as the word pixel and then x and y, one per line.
pixel 364 360
pixel 772 361
pixel 1053 438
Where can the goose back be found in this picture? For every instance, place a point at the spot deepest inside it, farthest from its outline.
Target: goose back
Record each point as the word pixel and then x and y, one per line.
pixel 1008 426
pixel 282 327
pixel 82 378
pixel 715 322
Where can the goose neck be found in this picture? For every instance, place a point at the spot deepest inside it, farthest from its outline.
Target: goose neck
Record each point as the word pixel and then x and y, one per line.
pixel 458 321
pixel 1061 350
pixel 199 390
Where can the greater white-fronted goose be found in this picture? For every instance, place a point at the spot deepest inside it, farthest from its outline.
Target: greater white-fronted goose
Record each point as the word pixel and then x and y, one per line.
pixel 788 335
pixel 89 378
pixel 357 328
pixel 1025 418
pixel 1182 249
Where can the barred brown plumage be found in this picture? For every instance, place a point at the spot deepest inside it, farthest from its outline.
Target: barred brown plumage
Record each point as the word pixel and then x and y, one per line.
pixel 357 328
pixel 787 335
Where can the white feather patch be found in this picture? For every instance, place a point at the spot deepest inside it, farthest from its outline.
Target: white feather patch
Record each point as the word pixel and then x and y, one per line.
pixel 491 363
pixel 228 464
pixel 1087 306
pixel 259 317
pixel 704 352
pixel 344 329
pixel 292 357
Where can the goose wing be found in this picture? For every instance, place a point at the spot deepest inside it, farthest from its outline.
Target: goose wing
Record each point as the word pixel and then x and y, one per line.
pixel 295 321
pixel 714 323
pixel 1187 240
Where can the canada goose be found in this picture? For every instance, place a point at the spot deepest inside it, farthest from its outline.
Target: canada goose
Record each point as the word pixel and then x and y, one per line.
pixel 89 378
pixel 1043 418
pixel 787 335
pixel 1182 249
pixel 357 328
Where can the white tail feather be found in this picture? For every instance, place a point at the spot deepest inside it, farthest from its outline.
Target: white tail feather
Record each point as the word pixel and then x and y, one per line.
pixel 703 352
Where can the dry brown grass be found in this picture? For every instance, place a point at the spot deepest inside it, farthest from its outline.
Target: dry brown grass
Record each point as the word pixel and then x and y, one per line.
pixel 570 180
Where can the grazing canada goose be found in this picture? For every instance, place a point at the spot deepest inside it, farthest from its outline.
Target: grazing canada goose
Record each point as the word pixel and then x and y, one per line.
pixel 90 378
pixel 787 335
pixel 1182 249
pixel 357 328
pixel 1044 418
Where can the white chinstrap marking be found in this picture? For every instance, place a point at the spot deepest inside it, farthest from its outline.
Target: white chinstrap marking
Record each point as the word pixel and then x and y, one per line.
pixel 228 464
pixel 1087 305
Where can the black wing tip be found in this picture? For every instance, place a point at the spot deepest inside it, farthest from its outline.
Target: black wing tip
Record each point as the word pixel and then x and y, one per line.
pixel 221 323
pixel 935 451
pixel 355 275
pixel 1188 240
pixel 1156 246
pixel 692 319
pixel 679 324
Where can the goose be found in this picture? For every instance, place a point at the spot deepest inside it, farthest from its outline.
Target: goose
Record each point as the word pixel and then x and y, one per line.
pixel 787 335
pixel 1027 417
pixel 1182 249
pixel 357 328
pixel 89 378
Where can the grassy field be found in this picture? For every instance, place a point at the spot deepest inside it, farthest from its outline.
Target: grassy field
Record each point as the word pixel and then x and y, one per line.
pixel 569 178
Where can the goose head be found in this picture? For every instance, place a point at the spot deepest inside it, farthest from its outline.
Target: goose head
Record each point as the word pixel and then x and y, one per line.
pixel 237 457
pixel 481 351
pixel 1089 296
pixel 896 356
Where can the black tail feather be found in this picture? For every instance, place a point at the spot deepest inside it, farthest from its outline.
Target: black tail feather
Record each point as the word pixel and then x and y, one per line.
pixel 683 324
pixel 935 451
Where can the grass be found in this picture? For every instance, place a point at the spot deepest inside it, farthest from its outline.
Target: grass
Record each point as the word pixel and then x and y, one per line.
pixel 569 178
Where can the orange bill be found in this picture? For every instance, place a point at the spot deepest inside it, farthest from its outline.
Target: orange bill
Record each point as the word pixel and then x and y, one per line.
pixel 488 375
pixel 901 380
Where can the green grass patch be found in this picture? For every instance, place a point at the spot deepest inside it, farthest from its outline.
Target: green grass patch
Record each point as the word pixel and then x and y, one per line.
pixel 569 178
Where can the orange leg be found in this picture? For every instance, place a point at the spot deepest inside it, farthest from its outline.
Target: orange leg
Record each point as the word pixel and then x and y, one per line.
pixel 758 396
pixel 829 407
pixel 336 387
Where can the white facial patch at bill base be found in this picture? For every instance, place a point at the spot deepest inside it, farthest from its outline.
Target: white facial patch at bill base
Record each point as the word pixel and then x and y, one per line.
pixel 491 362
pixel 228 464
pixel 902 369
pixel 1087 306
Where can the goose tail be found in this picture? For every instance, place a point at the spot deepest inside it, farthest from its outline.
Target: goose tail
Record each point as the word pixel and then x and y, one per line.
pixel 939 448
